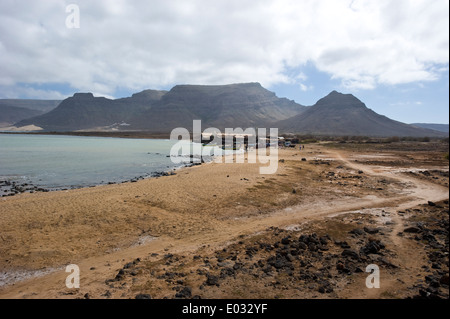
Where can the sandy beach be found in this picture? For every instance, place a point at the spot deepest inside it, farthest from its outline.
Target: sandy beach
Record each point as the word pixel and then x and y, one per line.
pixel 183 223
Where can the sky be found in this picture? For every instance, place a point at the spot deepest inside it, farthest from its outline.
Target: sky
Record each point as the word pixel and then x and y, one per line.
pixel 391 54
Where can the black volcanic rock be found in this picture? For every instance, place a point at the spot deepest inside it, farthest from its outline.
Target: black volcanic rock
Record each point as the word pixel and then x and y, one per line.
pixel 344 114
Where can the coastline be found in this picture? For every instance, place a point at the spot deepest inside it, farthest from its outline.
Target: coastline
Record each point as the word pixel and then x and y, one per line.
pixel 13 186
pixel 119 134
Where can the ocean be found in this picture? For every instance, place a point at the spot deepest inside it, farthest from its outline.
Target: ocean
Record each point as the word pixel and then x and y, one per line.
pixel 62 162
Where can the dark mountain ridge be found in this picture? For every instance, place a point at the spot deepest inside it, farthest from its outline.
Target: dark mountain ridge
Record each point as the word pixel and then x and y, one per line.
pixel 43 106
pixel 12 114
pixel 235 105
pixel 437 127
pixel 222 106
pixel 83 111
pixel 344 114
pixel 15 110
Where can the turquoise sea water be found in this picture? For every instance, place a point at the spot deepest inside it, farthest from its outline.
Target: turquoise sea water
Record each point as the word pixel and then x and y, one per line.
pixel 54 162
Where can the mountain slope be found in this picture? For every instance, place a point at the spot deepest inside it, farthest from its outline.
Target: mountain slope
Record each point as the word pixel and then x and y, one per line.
pixel 84 111
pixel 437 127
pixel 221 106
pixel 235 105
pixel 344 114
pixel 12 114
pixel 42 106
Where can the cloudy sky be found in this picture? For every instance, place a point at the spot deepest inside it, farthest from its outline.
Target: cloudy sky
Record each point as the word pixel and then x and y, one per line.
pixel 391 54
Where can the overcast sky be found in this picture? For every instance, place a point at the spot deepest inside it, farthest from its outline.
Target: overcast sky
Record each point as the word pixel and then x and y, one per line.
pixel 393 55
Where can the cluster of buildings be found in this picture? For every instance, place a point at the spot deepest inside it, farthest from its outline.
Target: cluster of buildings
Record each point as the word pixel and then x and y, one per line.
pixel 238 141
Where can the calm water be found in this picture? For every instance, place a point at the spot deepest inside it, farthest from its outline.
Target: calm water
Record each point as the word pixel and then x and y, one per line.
pixel 71 161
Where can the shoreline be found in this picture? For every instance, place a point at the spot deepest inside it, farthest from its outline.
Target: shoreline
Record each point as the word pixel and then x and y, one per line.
pixel 9 188
pixel 124 134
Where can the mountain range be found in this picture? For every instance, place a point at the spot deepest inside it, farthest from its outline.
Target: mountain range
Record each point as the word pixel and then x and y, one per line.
pixel 15 110
pixel 344 114
pixel 221 106
pixel 437 127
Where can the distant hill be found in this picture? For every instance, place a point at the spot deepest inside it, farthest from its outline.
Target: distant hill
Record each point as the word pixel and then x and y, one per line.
pixel 15 110
pixel 344 114
pixel 222 106
pixel 12 114
pixel 437 127
pixel 83 111
pixel 236 105
pixel 43 106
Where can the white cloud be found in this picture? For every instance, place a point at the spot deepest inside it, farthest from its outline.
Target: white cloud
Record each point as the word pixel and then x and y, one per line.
pixel 305 88
pixel 153 44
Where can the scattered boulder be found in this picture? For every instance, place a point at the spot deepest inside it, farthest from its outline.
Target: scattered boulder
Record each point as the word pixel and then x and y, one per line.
pixel 286 240
pixel 444 280
pixel 372 247
pixel 185 292
pixel 212 280
pixel 143 296
pixel 342 244
pixel 387 263
pixel 350 253
pixel 371 230
pixel 357 232
pixel 120 275
pixel 413 230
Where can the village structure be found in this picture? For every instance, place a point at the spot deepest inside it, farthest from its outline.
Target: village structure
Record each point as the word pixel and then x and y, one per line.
pixel 244 141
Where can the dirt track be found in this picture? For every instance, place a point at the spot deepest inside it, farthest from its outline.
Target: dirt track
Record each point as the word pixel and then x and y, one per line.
pixel 196 231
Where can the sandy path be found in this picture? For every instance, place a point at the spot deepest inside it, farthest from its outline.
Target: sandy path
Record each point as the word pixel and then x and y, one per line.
pixel 417 192
pixel 95 270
